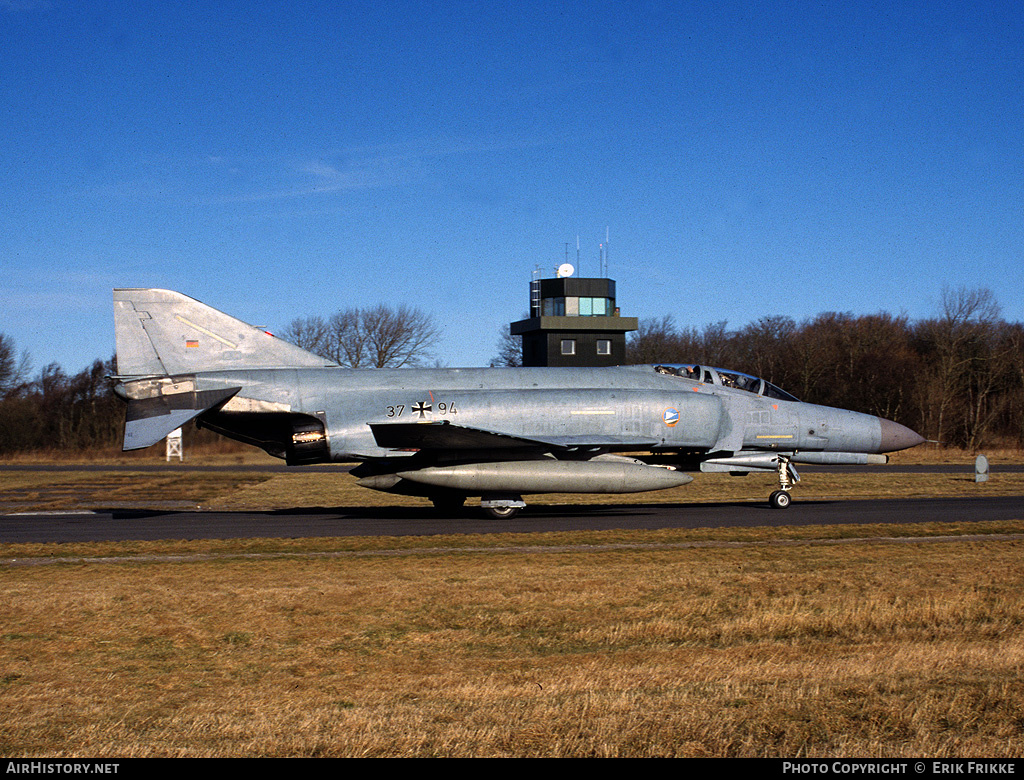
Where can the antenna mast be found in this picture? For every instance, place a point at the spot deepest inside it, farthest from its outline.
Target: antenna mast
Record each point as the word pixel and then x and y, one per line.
pixel 606 244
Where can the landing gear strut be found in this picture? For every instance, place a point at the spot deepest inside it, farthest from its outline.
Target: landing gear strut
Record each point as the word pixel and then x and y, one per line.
pixel 788 477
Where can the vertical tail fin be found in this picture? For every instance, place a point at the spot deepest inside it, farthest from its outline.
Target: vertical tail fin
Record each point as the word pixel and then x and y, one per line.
pixel 161 332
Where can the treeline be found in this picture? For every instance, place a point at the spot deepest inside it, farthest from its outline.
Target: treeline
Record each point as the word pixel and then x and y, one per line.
pixel 957 378
pixel 55 411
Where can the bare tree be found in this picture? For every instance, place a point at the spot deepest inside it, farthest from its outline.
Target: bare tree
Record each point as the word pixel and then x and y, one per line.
pixel 310 333
pixel 1014 414
pixel 958 340
pixel 655 341
pixel 660 341
pixel 378 337
pixel 347 338
pixel 397 337
pixel 765 347
pixel 510 348
pixel 13 369
pixel 510 352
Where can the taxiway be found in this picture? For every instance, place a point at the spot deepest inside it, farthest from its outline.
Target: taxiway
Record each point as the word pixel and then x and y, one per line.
pixel 128 524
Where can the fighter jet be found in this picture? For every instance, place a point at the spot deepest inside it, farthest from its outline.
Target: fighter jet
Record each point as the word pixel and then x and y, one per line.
pixel 493 433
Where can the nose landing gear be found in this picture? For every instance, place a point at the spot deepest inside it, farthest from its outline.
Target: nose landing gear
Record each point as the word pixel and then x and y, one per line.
pixel 788 477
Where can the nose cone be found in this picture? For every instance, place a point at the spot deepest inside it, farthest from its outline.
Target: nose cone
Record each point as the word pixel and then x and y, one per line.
pixel 897 437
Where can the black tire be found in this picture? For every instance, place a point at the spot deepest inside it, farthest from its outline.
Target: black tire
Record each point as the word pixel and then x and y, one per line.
pixel 501 512
pixel 780 499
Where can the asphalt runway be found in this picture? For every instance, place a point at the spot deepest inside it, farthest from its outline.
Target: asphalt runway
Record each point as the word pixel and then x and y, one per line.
pixel 127 524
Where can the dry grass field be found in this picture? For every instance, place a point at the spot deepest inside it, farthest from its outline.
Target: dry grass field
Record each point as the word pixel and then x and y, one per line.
pixel 749 642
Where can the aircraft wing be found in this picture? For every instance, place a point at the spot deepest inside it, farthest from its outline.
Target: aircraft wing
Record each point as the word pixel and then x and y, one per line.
pixel 446 436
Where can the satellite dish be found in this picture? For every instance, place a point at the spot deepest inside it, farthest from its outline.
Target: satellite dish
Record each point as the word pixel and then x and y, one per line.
pixel 565 269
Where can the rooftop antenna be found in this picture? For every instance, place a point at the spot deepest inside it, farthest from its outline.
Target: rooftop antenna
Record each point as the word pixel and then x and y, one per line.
pixel 607 241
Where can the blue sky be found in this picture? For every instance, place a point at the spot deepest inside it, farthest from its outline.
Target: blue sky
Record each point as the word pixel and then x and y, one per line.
pixel 278 159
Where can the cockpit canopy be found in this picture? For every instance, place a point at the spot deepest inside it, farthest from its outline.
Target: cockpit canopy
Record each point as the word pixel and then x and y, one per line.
pixel 724 378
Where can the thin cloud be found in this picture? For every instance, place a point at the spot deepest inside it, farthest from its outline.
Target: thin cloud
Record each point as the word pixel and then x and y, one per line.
pixel 313 178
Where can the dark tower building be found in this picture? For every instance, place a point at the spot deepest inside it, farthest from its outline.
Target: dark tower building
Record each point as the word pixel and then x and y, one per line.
pixel 573 322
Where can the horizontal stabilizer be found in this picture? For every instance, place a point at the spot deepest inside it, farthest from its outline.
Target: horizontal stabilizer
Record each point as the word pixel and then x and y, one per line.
pixel 149 420
pixel 446 436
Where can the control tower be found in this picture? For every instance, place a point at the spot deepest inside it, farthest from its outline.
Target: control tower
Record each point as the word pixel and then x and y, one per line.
pixel 573 322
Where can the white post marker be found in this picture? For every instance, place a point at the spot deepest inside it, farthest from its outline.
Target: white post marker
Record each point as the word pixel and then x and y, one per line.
pixel 981 469
pixel 174 445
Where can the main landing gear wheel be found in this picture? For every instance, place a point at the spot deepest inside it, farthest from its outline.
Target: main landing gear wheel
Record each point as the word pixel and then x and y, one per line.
pixel 780 499
pixel 501 506
pixel 501 512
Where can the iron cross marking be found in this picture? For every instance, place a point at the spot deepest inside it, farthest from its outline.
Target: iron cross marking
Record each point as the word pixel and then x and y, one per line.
pixel 422 408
